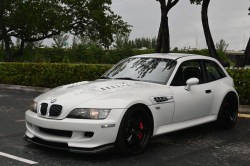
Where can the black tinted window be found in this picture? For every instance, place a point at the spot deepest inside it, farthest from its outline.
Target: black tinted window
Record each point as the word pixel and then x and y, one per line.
pixel 213 71
pixel 187 70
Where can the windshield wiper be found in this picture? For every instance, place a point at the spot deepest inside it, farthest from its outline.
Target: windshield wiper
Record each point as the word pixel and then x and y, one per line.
pixel 104 78
pixel 127 78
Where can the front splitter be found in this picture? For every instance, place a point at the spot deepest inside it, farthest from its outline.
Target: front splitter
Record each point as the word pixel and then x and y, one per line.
pixel 64 146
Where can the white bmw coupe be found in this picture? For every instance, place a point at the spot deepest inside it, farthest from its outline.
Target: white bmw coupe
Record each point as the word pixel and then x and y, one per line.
pixel 140 97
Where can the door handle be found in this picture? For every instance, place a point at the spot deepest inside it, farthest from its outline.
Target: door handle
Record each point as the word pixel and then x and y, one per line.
pixel 208 91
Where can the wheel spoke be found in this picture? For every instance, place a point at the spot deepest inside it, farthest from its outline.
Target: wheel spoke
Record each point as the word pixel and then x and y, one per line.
pixel 129 139
pixel 143 130
pixel 137 140
pixel 139 120
pixel 230 110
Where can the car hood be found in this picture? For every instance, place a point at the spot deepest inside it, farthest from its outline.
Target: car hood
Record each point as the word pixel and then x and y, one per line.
pixel 87 90
pixel 110 93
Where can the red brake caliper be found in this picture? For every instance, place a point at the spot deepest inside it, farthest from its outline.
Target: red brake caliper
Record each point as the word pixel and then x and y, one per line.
pixel 141 127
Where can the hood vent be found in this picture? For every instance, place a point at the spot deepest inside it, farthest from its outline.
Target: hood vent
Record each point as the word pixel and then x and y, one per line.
pixel 113 87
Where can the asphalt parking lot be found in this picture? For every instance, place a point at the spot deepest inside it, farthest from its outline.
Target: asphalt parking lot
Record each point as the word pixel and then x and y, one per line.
pixel 202 145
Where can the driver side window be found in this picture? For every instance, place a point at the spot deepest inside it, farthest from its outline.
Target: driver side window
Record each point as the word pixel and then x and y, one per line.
pixel 188 69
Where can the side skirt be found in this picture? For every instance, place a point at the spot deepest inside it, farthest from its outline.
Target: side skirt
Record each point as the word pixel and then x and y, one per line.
pixel 182 125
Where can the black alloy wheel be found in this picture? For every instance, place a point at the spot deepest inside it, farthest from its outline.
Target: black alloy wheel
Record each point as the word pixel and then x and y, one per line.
pixel 135 131
pixel 228 114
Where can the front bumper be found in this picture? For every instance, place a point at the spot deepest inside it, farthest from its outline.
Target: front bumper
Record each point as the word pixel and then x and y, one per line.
pixel 78 127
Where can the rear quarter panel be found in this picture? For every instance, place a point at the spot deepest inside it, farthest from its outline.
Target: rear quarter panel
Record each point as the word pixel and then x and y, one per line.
pixel 220 89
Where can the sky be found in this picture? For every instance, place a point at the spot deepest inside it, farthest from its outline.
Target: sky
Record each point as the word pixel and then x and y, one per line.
pixel 228 20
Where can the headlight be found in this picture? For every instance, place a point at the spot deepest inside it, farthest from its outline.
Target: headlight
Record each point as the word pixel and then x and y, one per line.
pixel 33 107
pixel 89 113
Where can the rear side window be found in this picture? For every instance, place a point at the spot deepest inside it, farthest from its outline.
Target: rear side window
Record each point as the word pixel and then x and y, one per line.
pixel 213 71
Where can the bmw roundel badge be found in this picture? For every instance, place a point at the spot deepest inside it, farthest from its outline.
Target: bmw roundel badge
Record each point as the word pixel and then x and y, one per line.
pixel 54 100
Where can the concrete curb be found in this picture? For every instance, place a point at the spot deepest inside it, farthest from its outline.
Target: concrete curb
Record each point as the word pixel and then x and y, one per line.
pixel 26 88
pixel 244 109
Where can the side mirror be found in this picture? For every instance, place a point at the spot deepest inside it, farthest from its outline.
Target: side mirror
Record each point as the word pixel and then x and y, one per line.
pixel 191 81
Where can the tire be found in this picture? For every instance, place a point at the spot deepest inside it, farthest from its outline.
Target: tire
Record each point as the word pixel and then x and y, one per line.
pixel 135 131
pixel 228 113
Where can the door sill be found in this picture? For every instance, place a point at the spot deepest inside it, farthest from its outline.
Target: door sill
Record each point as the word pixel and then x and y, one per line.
pixel 182 125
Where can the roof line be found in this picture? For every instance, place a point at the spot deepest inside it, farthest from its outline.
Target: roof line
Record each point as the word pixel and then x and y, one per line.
pixel 184 56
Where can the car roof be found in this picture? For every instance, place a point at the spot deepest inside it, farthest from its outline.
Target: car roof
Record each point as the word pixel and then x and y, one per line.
pixel 173 56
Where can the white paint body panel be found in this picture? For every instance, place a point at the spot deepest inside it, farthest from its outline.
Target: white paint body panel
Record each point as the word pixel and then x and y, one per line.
pixel 164 115
pixel 185 109
pixel 191 104
pixel 78 126
pixel 183 125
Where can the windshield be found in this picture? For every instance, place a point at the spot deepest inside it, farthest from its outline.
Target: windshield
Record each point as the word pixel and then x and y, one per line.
pixel 155 70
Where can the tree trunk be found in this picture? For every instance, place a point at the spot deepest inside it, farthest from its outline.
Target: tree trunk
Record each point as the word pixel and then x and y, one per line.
pixel 7 48
pixel 208 36
pixel 159 41
pixel 2 44
pixel 245 57
pixel 20 51
pixel 4 33
pixel 166 42
pixel 163 40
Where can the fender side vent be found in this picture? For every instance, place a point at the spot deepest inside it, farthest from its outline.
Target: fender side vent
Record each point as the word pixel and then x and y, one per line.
pixel 160 99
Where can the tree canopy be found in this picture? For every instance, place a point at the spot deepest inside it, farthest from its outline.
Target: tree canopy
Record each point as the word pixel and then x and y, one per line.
pixel 221 45
pixel 198 2
pixel 32 20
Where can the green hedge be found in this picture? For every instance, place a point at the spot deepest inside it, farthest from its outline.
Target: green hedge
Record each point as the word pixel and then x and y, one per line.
pixel 49 74
pixel 242 84
pixel 53 74
pixel 80 54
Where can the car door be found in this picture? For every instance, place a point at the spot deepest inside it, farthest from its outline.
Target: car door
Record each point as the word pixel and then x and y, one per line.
pixel 195 103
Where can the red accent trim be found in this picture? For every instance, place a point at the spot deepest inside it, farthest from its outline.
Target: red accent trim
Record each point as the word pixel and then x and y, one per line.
pixel 140 136
pixel 141 125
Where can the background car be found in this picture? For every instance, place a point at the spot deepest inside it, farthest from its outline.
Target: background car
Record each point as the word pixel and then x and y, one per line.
pixel 140 97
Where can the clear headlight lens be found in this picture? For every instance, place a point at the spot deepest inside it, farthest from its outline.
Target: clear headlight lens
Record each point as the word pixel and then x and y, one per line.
pixel 89 113
pixel 33 107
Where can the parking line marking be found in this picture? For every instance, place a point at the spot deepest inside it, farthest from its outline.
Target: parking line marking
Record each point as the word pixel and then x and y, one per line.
pixel 18 158
pixel 243 115
pixel 20 120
